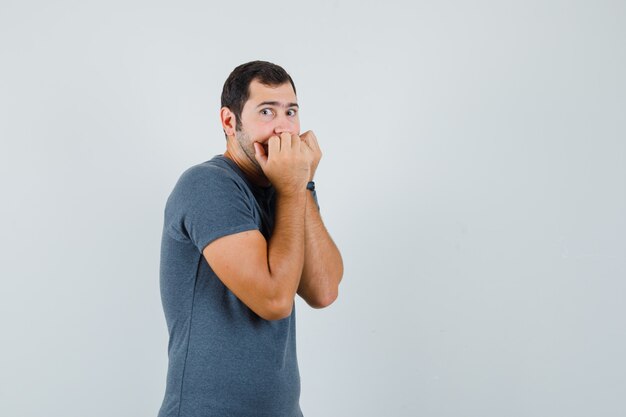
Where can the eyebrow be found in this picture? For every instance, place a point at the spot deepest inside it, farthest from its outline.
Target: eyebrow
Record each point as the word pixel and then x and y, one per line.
pixel 276 103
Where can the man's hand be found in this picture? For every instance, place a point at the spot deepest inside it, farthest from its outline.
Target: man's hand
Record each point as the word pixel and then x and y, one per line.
pixel 287 163
pixel 311 140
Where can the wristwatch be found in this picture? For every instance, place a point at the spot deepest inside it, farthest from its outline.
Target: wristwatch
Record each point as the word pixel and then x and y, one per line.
pixel 311 186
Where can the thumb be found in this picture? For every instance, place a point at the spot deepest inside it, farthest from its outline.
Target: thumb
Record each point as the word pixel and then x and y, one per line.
pixel 259 154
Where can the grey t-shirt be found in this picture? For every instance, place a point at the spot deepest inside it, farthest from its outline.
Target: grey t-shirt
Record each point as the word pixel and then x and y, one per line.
pixel 224 360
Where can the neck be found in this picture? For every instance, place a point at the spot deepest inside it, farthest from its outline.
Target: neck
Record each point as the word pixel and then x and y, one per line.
pixel 251 170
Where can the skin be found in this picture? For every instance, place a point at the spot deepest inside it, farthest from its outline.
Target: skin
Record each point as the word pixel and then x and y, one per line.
pixel 259 123
pixel 300 257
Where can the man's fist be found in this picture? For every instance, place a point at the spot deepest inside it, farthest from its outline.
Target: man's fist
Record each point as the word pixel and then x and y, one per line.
pixel 287 163
pixel 311 140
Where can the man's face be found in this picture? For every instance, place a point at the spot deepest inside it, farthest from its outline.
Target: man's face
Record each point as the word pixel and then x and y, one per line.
pixel 269 111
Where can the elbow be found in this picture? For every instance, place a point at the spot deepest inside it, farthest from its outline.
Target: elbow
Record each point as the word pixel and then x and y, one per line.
pixel 277 310
pixel 325 299
pixel 328 296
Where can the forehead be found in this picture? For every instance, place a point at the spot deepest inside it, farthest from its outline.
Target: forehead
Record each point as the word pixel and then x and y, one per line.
pixel 260 92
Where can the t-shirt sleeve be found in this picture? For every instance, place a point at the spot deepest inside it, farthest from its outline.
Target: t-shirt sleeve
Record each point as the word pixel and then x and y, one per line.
pixel 206 204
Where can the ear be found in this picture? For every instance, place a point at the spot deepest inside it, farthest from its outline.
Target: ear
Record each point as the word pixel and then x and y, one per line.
pixel 229 121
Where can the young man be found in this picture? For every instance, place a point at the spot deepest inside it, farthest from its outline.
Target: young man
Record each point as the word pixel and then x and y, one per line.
pixel 242 235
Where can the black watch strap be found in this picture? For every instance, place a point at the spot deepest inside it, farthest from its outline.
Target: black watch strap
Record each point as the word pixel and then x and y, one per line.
pixel 311 186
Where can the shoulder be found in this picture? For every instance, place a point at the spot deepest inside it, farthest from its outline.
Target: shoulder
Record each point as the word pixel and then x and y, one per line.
pixel 213 176
pixel 208 201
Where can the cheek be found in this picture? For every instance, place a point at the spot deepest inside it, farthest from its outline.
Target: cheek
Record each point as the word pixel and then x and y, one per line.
pixel 296 126
pixel 260 132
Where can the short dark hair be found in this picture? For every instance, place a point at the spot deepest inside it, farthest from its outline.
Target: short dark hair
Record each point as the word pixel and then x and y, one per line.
pixel 236 89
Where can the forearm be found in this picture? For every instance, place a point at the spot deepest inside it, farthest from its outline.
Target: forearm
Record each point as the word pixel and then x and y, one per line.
pixel 323 266
pixel 286 246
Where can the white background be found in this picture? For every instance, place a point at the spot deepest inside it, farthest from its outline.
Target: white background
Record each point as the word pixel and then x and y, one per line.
pixel 474 178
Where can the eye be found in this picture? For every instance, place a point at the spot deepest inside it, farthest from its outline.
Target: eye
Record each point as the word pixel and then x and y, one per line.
pixel 267 112
pixel 292 112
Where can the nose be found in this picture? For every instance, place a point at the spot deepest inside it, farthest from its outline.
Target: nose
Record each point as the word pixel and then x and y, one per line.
pixel 284 124
pixel 283 128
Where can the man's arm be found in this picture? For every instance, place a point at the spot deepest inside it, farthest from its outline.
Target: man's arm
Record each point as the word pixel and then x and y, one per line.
pixel 323 266
pixel 265 275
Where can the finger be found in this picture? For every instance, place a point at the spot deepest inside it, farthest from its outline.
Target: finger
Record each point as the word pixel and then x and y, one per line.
pixel 260 154
pixel 273 146
pixel 296 142
pixel 285 141
pixel 305 141
pixel 311 140
pixel 304 147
